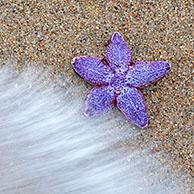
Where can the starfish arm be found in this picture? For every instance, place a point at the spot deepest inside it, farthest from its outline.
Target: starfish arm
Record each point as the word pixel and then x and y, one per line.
pixel 131 103
pixel 93 70
pixel 99 100
pixel 144 73
pixel 118 54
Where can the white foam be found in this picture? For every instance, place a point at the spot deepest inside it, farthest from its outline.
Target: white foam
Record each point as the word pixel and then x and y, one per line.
pixel 48 146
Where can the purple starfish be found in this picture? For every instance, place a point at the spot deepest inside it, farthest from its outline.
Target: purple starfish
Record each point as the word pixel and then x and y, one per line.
pixel 118 80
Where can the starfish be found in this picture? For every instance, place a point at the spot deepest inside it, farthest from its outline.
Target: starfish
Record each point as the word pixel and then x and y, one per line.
pixel 118 80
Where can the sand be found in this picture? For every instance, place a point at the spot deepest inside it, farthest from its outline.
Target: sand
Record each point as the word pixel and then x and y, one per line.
pixel 52 32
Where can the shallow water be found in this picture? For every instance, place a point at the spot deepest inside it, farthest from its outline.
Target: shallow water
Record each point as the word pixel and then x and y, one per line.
pixel 48 146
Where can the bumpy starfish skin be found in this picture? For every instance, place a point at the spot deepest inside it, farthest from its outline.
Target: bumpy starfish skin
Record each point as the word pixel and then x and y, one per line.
pixel 117 79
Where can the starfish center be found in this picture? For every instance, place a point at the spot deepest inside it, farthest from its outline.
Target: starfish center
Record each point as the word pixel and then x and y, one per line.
pixel 118 82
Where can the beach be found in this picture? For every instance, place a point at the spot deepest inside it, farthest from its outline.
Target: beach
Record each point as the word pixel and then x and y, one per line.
pixel 51 33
